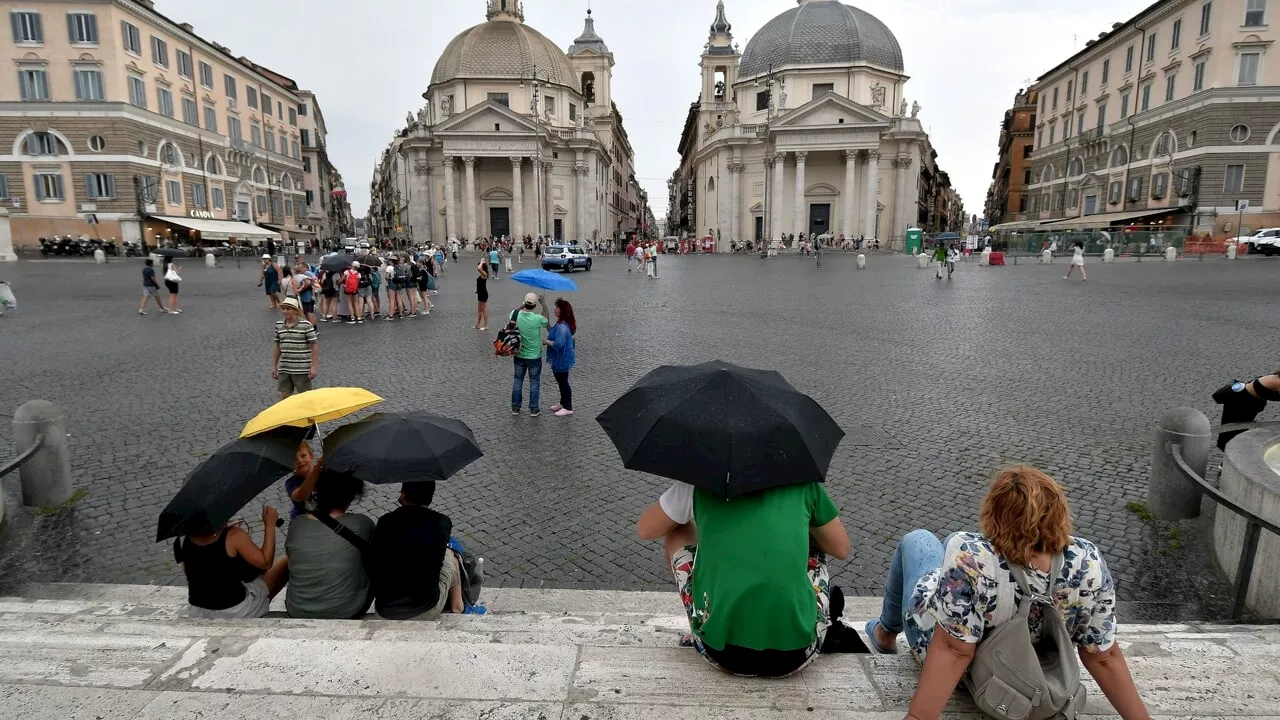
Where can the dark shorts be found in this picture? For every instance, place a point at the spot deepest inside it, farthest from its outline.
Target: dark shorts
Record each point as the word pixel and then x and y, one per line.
pixel 308 306
pixel 329 293
pixel 171 286
pixel 482 297
pixel 273 289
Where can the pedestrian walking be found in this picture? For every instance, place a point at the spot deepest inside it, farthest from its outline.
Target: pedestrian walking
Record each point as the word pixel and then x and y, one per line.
pixel 1077 261
pixel 415 280
pixel 528 359
pixel 425 279
pixel 351 293
pixel 631 255
pixel 296 351
pixel 953 255
pixel 172 279
pixel 328 294
pixel 271 281
pixel 482 296
pixel 494 259
pixel 817 249
pixel 150 288
pixel 439 258
pixel 940 256
pixel 562 355
pixel 375 292
pixel 306 290
pixel 521 253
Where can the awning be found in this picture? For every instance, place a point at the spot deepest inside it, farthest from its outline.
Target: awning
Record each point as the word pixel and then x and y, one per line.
pixel 1020 225
pixel 221 229
pixel 1097 222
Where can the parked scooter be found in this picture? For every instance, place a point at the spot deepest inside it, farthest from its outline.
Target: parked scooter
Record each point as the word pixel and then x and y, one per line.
pixel 47 246
pixel 132 248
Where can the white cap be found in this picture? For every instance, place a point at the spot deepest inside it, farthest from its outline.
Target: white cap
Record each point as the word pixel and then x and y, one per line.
pixel 530 299
pixel 355 265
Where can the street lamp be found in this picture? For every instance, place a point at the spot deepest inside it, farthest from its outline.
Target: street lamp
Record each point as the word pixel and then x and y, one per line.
pixel 767 216
pixel 535 106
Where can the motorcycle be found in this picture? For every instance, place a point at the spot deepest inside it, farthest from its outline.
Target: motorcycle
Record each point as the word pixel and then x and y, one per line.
pixel 46 246
pixel 84 246
pixel 64 245
pixel 132 248
pixel 110 248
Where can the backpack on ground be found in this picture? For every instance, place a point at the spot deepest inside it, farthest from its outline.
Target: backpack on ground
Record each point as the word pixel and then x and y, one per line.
pixel 351 283
pixel 472 577
pixel 508 341
pixel 1013 678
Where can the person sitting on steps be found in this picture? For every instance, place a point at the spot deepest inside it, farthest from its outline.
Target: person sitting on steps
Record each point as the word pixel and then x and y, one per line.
pixel 415 574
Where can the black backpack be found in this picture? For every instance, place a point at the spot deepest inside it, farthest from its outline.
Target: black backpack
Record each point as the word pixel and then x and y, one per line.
pixel 507 343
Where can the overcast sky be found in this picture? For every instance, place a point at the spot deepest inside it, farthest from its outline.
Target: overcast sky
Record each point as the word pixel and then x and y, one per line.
pixel 369 62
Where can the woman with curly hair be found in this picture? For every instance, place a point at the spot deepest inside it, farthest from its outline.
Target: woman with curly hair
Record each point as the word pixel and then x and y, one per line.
pixel 561 354
pixel 946 596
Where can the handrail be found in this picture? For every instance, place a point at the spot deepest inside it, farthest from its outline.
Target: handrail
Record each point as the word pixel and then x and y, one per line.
pixel 16 462
pixel 1254 525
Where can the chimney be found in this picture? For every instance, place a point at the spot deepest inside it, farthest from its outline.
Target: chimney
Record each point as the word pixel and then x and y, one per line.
pixel 187 27
pixel 148 4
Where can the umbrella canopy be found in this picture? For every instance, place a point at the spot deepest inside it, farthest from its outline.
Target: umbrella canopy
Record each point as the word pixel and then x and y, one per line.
pixel 387 448
pixel 724 428
pixel 335 263
pixel 170 252
pixel 225 482
pixel 545 280
pixel 311 407
pixel 369 260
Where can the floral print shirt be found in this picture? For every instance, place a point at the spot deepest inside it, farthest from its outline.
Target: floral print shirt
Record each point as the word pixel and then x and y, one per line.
pixel 974 591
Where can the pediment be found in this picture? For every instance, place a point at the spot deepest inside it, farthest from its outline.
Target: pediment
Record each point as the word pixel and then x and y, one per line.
pixel 483 117
pixel 497 194
pixel 828 110
pixel 821 190
pixel 559 210
pixel 1090 180
pixel 758 207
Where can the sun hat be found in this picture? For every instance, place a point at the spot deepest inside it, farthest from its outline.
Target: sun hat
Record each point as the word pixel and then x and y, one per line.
pixel 530 299
pixel 291 302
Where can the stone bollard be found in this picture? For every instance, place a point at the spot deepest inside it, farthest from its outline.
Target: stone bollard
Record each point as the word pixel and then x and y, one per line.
pixel 1109 255
pixel 46 475
pixel 862 261
pixel 1046 256
pixel 99 256
pixel 986 257
pixel 922 261
pixel 1231 251
pixel 1170 254
pixel 210 260
pixel 1171 495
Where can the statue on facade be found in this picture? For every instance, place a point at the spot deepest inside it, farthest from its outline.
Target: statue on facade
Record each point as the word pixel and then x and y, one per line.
pixel 408 120
pixel 446 105
pixel 782 96
pixel 902 109
pixel 588 122
pixel 877 95
pixel 424 116
pixel 915 109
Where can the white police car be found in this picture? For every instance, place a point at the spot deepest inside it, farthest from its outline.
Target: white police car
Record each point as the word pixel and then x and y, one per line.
pixel 566 258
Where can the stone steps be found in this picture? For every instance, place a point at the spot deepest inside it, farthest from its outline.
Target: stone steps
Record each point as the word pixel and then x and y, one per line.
pixel 102 651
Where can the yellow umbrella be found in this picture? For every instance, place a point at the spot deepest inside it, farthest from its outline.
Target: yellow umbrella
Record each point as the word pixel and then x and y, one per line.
pixel 308 408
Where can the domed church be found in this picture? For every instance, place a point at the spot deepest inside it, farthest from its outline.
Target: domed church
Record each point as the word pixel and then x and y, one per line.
pixel 517 137
pixel 805 131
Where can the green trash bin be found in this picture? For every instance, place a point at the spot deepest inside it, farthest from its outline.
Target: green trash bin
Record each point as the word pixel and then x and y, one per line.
pixel 915 240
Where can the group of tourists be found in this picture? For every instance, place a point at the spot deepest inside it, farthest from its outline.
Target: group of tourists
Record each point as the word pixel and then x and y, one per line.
pixel 643 257
pixel 399 285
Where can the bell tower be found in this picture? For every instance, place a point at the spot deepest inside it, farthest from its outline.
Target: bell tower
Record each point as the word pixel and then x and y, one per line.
pixel 593 62
pixel 719 68
pixel 509 10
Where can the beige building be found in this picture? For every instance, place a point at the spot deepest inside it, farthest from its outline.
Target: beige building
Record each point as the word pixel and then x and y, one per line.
pixel 123 123
pixel 517 138
pixel 1170 117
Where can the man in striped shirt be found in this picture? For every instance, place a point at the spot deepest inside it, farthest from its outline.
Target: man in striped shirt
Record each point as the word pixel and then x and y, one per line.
pixel 294 356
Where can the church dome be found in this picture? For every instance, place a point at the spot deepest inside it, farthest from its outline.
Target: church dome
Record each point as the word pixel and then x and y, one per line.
pixel 503 48
pixel 821 32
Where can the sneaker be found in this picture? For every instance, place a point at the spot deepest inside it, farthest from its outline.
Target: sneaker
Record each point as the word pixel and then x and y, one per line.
pixel 515 411
pixel 555 408
pixel 142 312
pixel 351 322
pixel 535 413
pixel 484 328
pixel 178 311
pixel 390 318
pixel 324 319
pixel 563 413
pixel 360 321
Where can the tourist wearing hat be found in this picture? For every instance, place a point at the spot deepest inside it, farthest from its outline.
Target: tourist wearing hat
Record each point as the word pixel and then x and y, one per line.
pixel 271 279
pixel 528 359
pixel 296 351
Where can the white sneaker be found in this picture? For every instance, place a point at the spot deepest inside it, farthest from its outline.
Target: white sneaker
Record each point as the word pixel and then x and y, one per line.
pixel 563 413
pixel 555 408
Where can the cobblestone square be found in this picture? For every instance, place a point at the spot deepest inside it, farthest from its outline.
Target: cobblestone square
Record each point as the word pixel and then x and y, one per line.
pixel 937 384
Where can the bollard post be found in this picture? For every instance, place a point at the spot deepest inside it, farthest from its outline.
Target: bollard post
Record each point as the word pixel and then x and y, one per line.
pixel 1170 254
pixel 1171 495
pixel 210 260
pixel 1046 256
pixel 922 261
pixel 1108 255
pixel 862 261
pixel 46 475
pixel 1231 251
pixel 99 256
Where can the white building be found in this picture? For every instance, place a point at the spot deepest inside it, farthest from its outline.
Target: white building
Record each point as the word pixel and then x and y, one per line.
pixel 805 131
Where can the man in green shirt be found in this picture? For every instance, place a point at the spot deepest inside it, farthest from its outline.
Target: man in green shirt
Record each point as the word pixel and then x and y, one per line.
pixel 528 359
pixel 758 603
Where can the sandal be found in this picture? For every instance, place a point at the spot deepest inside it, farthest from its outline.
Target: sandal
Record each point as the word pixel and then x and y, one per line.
pixel 871 636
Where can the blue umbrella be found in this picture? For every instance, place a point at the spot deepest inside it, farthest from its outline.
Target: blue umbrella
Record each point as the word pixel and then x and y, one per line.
pixel 545 280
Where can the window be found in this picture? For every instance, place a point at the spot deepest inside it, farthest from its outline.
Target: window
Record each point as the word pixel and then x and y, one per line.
pixel 210 118
pixel 26 27
pixel 1106 70
pixel 293 117
pixel 131 37
pixel 159 52
pixel 288 207
pixel 262 204
pixel 1135 189
pixel 211 165
pixel 1159 185
pixel 1233 182
pixel 310 197
pixel 296 152
pixel 48 187
pixel 284 144
pixel 1080 121
pixel 43 144
pixel 251 97
pixel 82 28
pixel 255 134
pixel 230 86
pixel 1247 74
pixel 1176 35
pixel 279 109
pixel 306 138
pixel 276 206
pixel 97 143
pixel 33 84
pixel 148 187
pixel 1055 98
pixel 1239 133
pixel 266 104
pixel 184 63
pixel 1066 128
pixel 198 196
pixel 1076 168
pixel 1043 100
pixel 1053 133
pixel 1151 47
pixel 233 129
pixel 1255 13
pixel 164 102
pixel 1206 14
pixel 88 83
pixel 1128 59
pixel 1145 91
pixel 820 89
pixel 1162 145
pixel 259 176
pixel 1113 192
pixel 1170 86
pixel 762 100
pixel 1070 90
pixel 4 187
pixel 1119 157
pixel 173 189
pixel 137 91
pixel 99 186
pixel 1183 182
pixel 1040 137
pixel 502 99
pixel 206 75
pixel 1084 83
pixel 1197 83
pixel 302 108
pixel 1073 198
pixel 1124 105
pixel 1026 177
pixel 306 164
pixel 190 112
pixel 1102 115
pixel 573 112
pixel 271 141
pixel 169 154
pixel 218 200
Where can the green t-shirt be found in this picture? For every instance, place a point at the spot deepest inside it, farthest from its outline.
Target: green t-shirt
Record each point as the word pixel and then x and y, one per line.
pixel 530 325
pixel 751 583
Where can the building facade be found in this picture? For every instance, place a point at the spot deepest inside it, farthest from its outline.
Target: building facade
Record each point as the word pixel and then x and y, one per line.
pixel 1168 118
pixel 125 124
pixel 805 131
pixel 517 138
pixel 328 210
pixel 1012 173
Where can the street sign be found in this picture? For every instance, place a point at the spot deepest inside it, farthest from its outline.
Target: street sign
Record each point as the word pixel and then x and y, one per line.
pixel 1242 205
pixel 91 218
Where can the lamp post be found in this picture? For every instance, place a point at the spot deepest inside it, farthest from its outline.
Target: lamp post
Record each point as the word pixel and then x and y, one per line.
pixel 535 108
pixel 767 215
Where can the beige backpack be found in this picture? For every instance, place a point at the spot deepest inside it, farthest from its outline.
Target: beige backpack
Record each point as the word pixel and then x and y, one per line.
pixel 1013 678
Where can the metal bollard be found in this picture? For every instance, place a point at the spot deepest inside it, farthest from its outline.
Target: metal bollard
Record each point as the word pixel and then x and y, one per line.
pixel 862 261
pixel 1171 495
pixel 46 475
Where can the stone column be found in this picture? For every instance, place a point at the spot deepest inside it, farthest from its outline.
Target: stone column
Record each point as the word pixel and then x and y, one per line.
pixel 779 176
pixel 735 199
pixel 900 217
pixel 450 200
pixel 847 194
pixel 870 183
pixel 801 224
pixel 469 202
pixel 429 173
pixel 579 197
pixel 517 198
pixel 766 200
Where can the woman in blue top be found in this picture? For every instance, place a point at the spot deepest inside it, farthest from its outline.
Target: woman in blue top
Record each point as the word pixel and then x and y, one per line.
pixel 561 354
pixel 494 259
pixel 271 279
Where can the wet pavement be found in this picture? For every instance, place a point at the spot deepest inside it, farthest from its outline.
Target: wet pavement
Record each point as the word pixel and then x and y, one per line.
pixel 937 385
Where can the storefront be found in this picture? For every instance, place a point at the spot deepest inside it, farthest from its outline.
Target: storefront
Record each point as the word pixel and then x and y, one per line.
pixel 193 231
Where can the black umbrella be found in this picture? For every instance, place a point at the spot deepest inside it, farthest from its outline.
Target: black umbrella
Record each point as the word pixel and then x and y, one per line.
pixel 727 429
pixel 387 448
pixel 170 252
pixel 335 263
pixel 369 260
pixel 225 482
